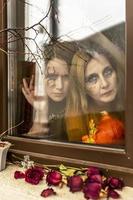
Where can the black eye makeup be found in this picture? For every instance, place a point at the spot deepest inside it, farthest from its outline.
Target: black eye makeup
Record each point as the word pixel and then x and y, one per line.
pixel 54 77
pixel 92 79
pixel 107 72
pixel 51 76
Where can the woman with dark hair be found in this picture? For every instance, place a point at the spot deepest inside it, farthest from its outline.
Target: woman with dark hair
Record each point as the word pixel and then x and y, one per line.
pixel 58 58
pixel 98 84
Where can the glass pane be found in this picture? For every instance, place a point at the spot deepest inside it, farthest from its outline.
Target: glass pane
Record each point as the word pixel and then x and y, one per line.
pixel 72 82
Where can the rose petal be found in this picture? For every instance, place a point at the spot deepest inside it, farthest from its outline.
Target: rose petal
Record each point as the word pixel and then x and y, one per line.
pixel 48 192
pixel 19 175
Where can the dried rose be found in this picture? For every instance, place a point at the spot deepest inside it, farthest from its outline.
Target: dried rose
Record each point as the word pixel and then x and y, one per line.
pixel 92 171
pixel 95 178
pixel 113 194
pixel 92 190
pixel 115 183
pixel 34 175
pixel 54 178
pixel 19 174
pixel 75 183
pixel 48 192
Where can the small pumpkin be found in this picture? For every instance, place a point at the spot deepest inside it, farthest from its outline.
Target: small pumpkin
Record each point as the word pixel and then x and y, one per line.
pixel 110 130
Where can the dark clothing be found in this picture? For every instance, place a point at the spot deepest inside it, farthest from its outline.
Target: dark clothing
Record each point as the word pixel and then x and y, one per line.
pixel 56 120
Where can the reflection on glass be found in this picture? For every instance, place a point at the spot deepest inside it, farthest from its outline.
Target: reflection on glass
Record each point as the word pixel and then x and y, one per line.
pixel 98 77
pixel 84 96
pixel 50 109
pixel 76 91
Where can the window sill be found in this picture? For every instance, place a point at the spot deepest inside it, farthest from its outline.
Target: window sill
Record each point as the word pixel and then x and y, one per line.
pixel 18 189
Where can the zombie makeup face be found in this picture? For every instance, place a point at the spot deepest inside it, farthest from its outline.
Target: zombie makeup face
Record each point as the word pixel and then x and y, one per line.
pixel 101 80
pixel 57 79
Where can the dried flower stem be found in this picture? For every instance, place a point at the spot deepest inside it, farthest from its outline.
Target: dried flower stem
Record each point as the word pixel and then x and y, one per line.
pixel 3 134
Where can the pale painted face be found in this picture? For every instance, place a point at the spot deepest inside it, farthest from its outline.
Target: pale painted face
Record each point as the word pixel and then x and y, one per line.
pixel 101 80
pixel 57 79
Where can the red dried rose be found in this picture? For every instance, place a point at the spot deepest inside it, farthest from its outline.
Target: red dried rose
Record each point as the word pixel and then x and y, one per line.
pixel 48 192
pixel 113 194
pixel 75 183
pixel 92 187
pixel 34 175
pixel 19 174
pixel 96 178
pixel 92 171
pixel 115 183
pixel 92 190
pixel 54 178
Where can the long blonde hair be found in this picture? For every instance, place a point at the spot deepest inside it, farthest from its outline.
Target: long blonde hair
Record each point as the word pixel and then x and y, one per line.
pixel 78 98
pixel 77 102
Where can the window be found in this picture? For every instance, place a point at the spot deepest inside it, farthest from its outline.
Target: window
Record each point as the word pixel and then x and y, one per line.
pixel 96 37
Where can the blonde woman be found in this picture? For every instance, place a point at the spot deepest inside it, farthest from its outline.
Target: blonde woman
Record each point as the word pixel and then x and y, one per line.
pixel 98 85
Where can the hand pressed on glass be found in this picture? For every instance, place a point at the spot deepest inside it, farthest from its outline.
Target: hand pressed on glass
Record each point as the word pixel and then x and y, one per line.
pixel 56 86
pixel 40 105
pixel 28 90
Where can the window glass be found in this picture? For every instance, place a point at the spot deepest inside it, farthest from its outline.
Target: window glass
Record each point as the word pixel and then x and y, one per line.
pixel 72 80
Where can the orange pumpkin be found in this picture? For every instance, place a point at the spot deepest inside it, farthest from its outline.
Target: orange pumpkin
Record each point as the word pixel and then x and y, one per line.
pixel 109 131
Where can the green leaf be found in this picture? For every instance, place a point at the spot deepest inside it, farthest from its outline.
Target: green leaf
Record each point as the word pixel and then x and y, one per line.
pixel 62 167
pixel 66 171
